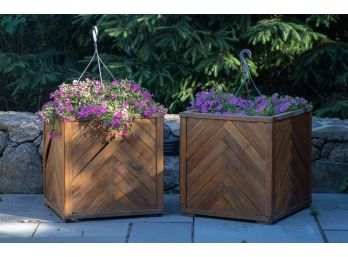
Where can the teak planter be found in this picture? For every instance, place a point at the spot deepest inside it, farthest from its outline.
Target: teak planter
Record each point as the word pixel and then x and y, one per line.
pixel 253 168
pixel 86 177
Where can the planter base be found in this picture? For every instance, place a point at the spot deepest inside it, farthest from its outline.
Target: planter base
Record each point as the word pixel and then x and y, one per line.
pixel 241 216
pixel 78 217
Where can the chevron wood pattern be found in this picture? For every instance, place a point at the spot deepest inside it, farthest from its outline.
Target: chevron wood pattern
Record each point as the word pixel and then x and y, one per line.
pixel 96 178
pixel 245 169
pixel 54 163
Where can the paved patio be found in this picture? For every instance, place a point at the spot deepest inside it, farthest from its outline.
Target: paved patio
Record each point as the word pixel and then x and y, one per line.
pixel 24 218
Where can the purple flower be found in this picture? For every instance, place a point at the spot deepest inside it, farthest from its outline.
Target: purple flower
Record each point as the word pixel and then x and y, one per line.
pixel 147 113
pixel 115 123
pixel 204 109
pixel 261 103
pixel 68 105
pixel 136 87
pixel 233 100
pixel 303 101
pixel 283 106
pixel 111 104
pixel 218 101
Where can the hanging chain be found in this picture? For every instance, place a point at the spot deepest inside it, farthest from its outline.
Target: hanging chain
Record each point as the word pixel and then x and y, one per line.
pixel 246 70
pixel 96 54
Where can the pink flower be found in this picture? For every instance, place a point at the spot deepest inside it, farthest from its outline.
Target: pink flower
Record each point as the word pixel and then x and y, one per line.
pixel 62 94
pixel 118 115
pixel 126 105
pixel 53 135
pixel 122 133
pixel 113 105
pixel 68 105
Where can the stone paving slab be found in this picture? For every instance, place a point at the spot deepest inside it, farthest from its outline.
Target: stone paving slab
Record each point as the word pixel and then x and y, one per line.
pixel 171 203
pixel 330 201
pixel 333 219
pixel 25 208
pixel 23 199
pixel 16 230
pixel 59 240
pixel 117 232
pixel 171 218
pixel 22 215
pixel 161 233
pixel 336 236
pixel 299 228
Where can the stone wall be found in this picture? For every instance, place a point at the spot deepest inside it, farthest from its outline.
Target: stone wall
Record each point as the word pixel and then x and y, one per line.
pixel 21 154
pixel 330 154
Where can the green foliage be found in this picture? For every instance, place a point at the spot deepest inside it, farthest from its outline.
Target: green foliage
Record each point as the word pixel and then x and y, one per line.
pixel 322 20
pixel 35 56
pixel 344 186
pixel 334 108
pixel 174 56
pixel 332 62
pixel 279 42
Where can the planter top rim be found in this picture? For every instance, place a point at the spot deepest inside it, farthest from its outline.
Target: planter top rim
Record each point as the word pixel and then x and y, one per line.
pixel 282 116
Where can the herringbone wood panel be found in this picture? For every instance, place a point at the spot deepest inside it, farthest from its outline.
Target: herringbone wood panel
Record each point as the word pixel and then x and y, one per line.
pixel 226 166
pixel 87 176
pixel 115 176
pixel 53 167
pixel 291 162
pixel 256 168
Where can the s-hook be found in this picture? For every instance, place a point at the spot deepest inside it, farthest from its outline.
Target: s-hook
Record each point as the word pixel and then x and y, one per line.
pixel 246 69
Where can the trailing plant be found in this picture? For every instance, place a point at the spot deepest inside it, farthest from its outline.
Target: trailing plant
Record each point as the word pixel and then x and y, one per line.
pixel 111 106
pixel 219 102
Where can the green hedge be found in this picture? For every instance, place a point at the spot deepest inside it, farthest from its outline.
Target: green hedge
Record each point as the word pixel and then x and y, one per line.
pixel 175 56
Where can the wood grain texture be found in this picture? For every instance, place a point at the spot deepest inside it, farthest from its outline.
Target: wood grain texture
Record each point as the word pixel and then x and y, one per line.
pixel 160 161
pixel 54 168
pixel 182 160
pixel 103 179
pixel 245 169
pixel 292 162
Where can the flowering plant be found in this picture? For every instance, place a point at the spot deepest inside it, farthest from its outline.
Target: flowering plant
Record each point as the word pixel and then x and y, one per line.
pixel 112 105
pixel 216 101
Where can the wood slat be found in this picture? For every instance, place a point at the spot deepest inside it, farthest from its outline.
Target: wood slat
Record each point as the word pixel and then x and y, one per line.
pixel 292 162
pixel 54 170
pixel 159 162
pixel 205 148
pixel 182 165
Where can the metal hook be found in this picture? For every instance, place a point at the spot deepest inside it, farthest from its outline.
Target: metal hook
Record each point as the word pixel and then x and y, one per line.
pixel 95 33
pixel 246 70
pixel 245 67
pixel 96 55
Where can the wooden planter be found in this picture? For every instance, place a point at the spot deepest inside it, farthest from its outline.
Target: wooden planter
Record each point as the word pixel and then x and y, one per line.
pixel 253 168
pixel 86 177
